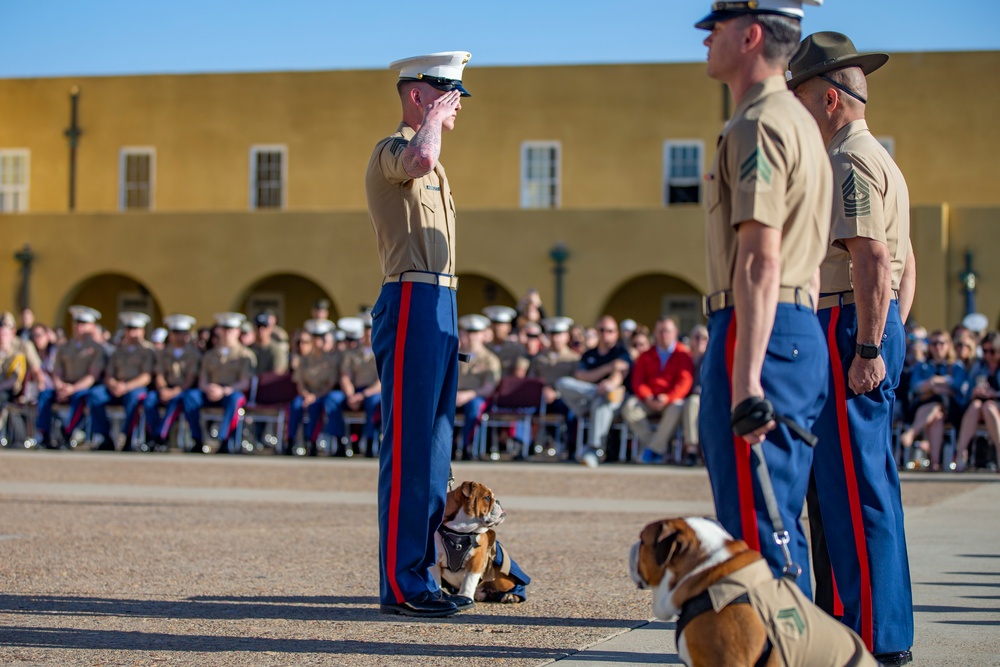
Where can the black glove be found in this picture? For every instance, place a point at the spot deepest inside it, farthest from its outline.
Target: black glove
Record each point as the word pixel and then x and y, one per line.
pixel 750 415
pixel 756 411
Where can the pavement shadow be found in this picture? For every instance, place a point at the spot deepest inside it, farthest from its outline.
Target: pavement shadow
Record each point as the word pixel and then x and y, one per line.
pixel 66 638
pixel 308 608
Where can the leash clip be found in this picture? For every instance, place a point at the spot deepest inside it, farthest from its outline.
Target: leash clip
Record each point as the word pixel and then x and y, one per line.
pixel 791 569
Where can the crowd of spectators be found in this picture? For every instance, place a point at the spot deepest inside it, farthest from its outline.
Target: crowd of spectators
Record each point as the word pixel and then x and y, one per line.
pixel 947 408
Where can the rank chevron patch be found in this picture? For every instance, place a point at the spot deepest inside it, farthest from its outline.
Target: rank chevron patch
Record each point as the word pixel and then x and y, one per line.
pixel 756 167
pixel 857 196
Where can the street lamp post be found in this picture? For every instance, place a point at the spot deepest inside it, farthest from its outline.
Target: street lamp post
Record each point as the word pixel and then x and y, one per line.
pixel 559 254
pixel 73 134
pixel 25 256
pixel 968 278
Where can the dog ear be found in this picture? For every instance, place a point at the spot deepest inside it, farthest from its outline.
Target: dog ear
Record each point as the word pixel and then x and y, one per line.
pixel 670 543
pixel 467 489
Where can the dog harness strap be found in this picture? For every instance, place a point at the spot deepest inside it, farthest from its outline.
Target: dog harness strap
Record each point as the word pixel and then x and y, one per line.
pixel 457 547
pixel 765 655
pixel 697 606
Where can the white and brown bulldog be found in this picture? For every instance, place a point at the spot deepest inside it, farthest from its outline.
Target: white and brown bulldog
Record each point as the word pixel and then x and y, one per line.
pixel 467 546
pixel 732 610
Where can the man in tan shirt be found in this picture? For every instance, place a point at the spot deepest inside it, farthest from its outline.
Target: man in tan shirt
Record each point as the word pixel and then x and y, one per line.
pixel 176 370
pixel 768 197
pixel 360 384
pixel 477 379
pixel 126 381
pixel 414 330
pixel 867 284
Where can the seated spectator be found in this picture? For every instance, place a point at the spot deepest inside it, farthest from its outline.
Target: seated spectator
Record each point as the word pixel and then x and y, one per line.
pixel 661 380
pixel 504 345
pixel 692 404
pixel 159 338
pixel 935 397
pixel 43 340
pixel 966 348
pixel 984 395
pixel 175 371
pixel 271 353
pixel 529 308
pixel 18 362
pixel 597 388
pixel 27 322
pixel 126 381
pixel 301 345
pixel 477 379
pixel 316 376
pixel 640 342
pixel 578 339
pixel 224 381
pixel 360 384
pixel 626 329
pixel 553 364
pixel 78 366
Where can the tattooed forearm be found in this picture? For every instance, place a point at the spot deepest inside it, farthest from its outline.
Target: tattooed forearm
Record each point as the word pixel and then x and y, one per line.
pixel 424 150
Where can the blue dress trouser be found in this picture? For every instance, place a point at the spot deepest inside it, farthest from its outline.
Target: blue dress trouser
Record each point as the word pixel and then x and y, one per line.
pixel 794 379
pixel 157 426
pixel 473 413
pixel 100 398
pixel 193 401
pixel 415 340
pixel 370 405
pixel 858 489
pixel 44 420
pixel 329 405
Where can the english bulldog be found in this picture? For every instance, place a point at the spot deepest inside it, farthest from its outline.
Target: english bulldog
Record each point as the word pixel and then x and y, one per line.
pixel 467 547
pixel 732 610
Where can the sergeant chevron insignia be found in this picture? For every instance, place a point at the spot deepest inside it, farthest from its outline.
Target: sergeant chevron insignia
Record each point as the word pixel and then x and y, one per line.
pixel 857 196
pixel 756 168
pixel 397 145
pixel 791 619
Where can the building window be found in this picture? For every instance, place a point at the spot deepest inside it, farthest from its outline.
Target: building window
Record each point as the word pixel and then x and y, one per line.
pixel 682 172
pixel 889 144
pixel 14 180
pixel 268 169
pixel 540 174
pixel 138 168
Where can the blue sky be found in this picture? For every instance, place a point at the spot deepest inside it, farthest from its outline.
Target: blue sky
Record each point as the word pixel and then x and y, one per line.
pixel 98 37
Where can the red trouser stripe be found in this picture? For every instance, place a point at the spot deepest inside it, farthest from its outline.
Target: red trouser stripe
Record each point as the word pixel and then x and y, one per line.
pixel 74 419
pixel 853 497
pixel 135 416
pixel 318 426
pixel 168 420
pixel 397 440
pixel 744 483
pixel 236 416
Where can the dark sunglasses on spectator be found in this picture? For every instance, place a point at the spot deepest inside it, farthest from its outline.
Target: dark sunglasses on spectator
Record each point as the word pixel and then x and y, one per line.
pixel 608 330
pixel 989 350
pixel 939 342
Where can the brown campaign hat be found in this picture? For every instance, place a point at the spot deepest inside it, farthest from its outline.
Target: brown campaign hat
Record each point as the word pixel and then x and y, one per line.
pixel 822 52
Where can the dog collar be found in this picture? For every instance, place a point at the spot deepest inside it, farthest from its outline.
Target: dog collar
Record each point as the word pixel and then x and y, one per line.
pixel 457 547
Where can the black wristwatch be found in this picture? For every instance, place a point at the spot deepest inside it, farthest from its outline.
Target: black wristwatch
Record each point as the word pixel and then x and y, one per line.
pixel 867 350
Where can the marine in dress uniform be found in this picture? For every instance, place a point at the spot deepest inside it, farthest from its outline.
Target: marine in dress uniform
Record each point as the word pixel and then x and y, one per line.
pixel 77 367
pixel 862 310
pixel 552 364
pixel 414 333
pixel 175 371
pixel 508 350
pixel 477 379
pixel 315 378
pixel 360 384
pixel 224 380
pixel 126 381
pixel 768 196
pixel 271 352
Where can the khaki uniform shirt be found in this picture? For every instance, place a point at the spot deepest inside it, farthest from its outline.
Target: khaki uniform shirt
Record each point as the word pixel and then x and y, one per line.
pixel 79 358
pixel 318 374
pixel 359 365
pixel 800 631
pixel 177 365
pixel 870 200
pixel 552 365
pixel 771 167
pixel 413 218
pixel 227 366
pixel 484 369
pixel 271 358
pixel 509 351
pixel 130 361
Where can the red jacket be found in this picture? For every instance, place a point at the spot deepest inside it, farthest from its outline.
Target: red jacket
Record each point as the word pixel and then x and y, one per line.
pixel 674 380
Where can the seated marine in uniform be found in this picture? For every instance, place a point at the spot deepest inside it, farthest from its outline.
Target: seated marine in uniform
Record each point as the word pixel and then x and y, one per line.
pixel 360 384
pixel 503 345
pixel 174 372
pixel 224 381
pixel 272 354
pixel 477 379
pixel 78 366
pixel 553 364
pixel 315 378
pixel 126 381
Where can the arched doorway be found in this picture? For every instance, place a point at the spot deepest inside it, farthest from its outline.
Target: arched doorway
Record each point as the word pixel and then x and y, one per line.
pixel 111 294
pixel 648 297
pixel 290 296
pixel 475 292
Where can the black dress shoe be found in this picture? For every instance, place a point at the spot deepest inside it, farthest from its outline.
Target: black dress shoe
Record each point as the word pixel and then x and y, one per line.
pixel 892 659
pixel 460 601
pixel 425 605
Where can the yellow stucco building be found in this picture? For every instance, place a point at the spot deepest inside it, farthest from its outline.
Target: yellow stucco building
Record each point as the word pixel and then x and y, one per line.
pixel 200 193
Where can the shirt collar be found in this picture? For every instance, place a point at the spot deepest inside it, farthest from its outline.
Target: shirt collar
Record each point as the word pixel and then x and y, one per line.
pixel 406 131
pixel 760 90
pixel 852 128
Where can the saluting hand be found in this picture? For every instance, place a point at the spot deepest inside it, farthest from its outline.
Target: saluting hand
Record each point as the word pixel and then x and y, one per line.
pixel 443 107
